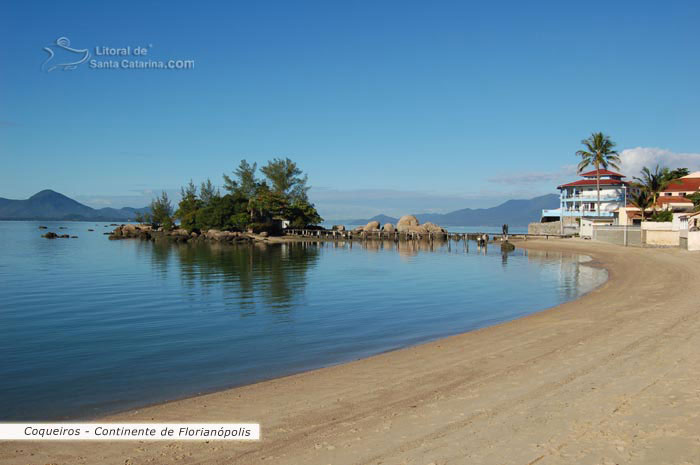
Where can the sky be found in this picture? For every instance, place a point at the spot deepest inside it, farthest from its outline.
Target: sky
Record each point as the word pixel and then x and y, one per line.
pixel 389 107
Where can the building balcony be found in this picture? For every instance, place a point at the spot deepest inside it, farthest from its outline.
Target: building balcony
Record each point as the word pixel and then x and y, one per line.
pixel 587 198
pixel 575 213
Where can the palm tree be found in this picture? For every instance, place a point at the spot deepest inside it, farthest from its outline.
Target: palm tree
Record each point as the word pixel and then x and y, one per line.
pixel 599 152
pixel 652 182
pixel 642 200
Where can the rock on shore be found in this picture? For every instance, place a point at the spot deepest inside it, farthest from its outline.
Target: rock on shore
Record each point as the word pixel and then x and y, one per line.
pixel 410 224
pixel 371 226
pixel 146 232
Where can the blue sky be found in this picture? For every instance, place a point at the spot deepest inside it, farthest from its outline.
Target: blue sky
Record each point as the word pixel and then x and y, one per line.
pixel 389 107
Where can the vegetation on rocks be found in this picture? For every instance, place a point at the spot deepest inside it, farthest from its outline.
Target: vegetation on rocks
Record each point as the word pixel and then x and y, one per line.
pixel 249 202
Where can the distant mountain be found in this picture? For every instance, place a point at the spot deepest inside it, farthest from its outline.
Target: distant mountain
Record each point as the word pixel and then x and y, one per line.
pixel 512 212
pixel 50 205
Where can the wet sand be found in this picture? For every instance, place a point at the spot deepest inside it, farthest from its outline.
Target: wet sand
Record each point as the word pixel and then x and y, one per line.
pixel 611 378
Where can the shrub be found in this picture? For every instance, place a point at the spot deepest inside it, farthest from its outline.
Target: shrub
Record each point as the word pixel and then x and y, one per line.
pixel 662 216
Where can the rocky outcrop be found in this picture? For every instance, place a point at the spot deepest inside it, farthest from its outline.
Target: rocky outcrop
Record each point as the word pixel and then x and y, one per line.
pixel 388 227
pixel 43 227
pixel 371 226
pixel 127 231
pixel 53 235
pixel 146 232
pixel 338 227
pixel 410 224
pixel 406 222
pixel 433 228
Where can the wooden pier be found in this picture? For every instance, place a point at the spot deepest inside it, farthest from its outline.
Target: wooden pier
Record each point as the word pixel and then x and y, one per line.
pixel 396 236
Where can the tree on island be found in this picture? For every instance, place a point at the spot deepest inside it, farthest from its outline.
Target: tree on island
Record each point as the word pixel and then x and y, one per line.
pixel 188 206
pixel 249 202
pixel 162 212
pixel 598 153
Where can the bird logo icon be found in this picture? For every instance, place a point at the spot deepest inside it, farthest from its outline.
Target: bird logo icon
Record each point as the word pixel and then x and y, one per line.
pixel 61 55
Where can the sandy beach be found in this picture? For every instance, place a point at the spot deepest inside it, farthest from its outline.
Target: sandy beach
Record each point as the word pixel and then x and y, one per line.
pixel 611 378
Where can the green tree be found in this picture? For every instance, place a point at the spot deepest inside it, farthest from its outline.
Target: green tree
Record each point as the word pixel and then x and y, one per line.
pixel 656 181
pixel 142 217
pixel 695 198
pixel 302 214
pixel 223 212
pixel 162 211
pixel 267 204
pixel 678 173
pixel 188 207
pixel 642 200
pixel 286 178
pixel 208 192
pixel 653 182
pixel 599 152
pixel 244 184
pixel 244 181
pixel 662 216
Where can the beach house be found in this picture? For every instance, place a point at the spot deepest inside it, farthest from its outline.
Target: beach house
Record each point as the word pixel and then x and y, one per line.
pixel 578 199
pixel 674 198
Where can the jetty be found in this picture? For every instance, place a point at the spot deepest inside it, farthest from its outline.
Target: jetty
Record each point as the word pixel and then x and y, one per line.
pixel 380 235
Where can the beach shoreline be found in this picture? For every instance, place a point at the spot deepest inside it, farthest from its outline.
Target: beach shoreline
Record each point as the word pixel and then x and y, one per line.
pixel 572 383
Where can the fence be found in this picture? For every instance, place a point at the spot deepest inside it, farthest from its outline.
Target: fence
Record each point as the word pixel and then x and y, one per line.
pixel 620 235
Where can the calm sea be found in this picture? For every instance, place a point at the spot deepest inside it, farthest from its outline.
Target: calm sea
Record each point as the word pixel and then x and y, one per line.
pixel 90 326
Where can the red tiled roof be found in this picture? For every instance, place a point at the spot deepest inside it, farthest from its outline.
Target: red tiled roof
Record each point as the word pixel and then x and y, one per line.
pixel 603 173
pixel 592 182
pixel 672 199
pixel 684 185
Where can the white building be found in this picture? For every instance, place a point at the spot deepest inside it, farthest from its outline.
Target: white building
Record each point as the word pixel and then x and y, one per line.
pixel 578 199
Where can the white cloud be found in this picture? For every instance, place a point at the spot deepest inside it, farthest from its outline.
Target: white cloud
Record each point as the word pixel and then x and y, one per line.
pixel 633 160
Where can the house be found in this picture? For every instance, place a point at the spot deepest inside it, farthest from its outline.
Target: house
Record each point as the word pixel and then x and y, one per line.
pixel 673 198
pixel 675 195
pixel 578 199
pixel 690 231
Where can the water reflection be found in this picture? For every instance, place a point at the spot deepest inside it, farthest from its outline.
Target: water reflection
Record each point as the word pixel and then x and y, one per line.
pixel 570 271
pixel 275 274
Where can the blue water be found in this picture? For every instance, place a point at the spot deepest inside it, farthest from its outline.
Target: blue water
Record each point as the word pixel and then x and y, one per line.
pixel 90 326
